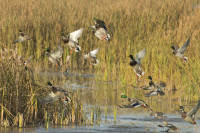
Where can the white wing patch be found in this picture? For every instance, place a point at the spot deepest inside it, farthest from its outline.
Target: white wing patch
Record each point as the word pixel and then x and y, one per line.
pixel 94 52
pixel 75 35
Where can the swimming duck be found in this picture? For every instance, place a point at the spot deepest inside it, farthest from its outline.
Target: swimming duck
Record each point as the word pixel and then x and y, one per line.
pixel 171 128
pixel 54 56
pixel 100 30
pixel 179 52
pixel 91 56
pixel 55 95
pixel 134 103
pixel 22 37
pixel 158 115
pixel 135 63
pixel 190 116
pixel 72 40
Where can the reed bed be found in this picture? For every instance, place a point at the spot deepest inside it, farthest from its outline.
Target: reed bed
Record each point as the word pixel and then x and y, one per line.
pixel 19 95
pixel 133 25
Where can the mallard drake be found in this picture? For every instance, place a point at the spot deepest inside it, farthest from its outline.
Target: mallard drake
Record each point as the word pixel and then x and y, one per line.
pixel 91 56
pixel 158 115
pixel 54 56
pixel 157 88
pixel 22 37
pixel 152 85
pixel 190 116
pixel 179 52
pixel 135 62
pixel 171 128
pixel 100 30
pixel 55 95
pixel 134 103
pixel 72 40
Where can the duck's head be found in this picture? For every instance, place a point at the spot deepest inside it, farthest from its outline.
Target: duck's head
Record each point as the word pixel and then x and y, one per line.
pixel 181 108
pixel 49 83
pixel 62 34
pixel 47 50
pixel 131 56
pixel 124 96
pixel 149 77
pixel 173 47
pixel 20 30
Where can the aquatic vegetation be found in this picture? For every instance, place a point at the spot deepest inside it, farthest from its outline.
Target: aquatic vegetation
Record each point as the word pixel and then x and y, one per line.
pixel 132 25
pixel 152 26
pixel 20 93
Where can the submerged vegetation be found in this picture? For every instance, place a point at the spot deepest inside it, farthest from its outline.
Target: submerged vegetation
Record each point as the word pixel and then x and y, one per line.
pixel 133 25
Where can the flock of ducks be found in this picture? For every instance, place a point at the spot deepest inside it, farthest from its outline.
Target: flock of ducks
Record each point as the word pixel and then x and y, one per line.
pixel 101 32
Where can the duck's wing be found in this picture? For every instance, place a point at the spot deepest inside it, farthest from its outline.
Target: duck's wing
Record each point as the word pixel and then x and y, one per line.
pixel 19 39
pixel 126 106
pixel 73 36
pixel 140 55
pixel 94 52
pixel 194 110
pixel 143 87
pixel 147 88
pixel 100 23
pixel 135 104
pixel 58 53
pixel 92 28
pixel 162 84
pixel 160 92
pixel 51 97
pixel 184 46
pixel 152 93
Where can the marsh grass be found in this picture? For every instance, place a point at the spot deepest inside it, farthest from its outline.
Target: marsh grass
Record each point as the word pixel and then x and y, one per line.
pixel 133 25
pixel 19 97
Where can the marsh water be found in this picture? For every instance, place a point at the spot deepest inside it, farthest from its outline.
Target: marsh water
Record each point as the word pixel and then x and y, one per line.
pixel 106 95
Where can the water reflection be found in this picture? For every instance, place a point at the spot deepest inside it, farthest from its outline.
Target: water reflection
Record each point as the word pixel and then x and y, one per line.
pixel 100 99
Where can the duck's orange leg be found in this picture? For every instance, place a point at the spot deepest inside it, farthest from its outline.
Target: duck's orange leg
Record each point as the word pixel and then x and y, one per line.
pixel 71 51
pixel 57 65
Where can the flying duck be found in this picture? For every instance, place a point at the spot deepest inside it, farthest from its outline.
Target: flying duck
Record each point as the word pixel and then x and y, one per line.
pixel 72 40
pixel 190 116
pixel 54 56
pixel 179 52
pixel 22 37
pixel 135 63
pixel 91 56
pixel 100 30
